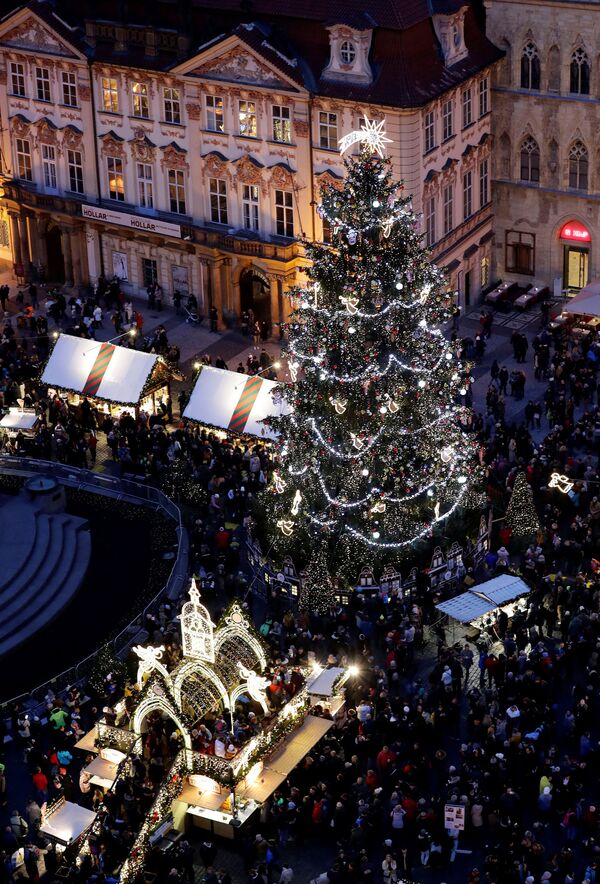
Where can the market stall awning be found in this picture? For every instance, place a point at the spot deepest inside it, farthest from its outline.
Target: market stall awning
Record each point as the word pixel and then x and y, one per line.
pixel 483 598
pixel 67 822
pixel 235 402
pixel 19 420
pixel 322 683
pixel 587 302
pixel 98 369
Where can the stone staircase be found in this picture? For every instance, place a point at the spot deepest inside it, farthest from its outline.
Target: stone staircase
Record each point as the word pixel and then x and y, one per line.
pixel 43 561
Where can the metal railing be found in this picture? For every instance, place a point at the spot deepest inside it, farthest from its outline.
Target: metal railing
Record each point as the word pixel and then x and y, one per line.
pixel 120 490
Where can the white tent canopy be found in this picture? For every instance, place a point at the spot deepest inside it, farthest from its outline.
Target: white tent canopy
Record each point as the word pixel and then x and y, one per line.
pixel 234 401
pixel 19 420
pixel 587 302
pixel 483 598
pixel 120 373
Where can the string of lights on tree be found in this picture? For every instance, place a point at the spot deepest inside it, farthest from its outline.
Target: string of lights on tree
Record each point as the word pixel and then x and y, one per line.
pixel 373 454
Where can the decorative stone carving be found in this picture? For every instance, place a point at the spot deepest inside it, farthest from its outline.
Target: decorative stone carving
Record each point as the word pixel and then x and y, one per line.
pixel 326 179
pixel 85 93
pixel 20 126
pixel 31 35
pixel 194 110
pixel 46 131
pixel 281 177
pixel 112 146
pixel 142 148
pixel 72 137
pixel 173 157
pixel 215 167
pixel 241 67
pixel 248 172
pixel 301 128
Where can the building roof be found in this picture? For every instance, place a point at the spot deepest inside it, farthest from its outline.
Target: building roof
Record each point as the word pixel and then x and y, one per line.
pixel 405 56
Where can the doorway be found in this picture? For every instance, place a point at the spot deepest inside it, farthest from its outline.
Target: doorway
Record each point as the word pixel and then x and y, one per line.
pixel 255 294
pixel 55 271
pixel 576 259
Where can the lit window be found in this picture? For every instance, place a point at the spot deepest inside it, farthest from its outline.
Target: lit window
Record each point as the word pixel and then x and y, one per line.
pixel 284 213
pixel 176 191
pixel 247 118
pixel 218 200
pixel 69 89
pixel 116 184
pixel 141 107
pixel 282 127
pixel 214 113
pixel 172 105
pixel 110 95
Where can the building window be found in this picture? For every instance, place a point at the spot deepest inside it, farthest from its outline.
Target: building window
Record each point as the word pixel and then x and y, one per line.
pixel 580 73
pixel 42 84
pixel 578 166
pixel 116 185
pixel 484 104
pixel 430 221
pixel 447 120
pixel 347 52
pixel 69 89
pixel 214 113
pixel 530 67
pixel 144 180
pixel 176 181
pixel 484 183
pixel 530 160
pixel 172 105
pixel 282 126
pixel 75 170
pixel 49 166
pixel 149 272
pixel 17 79
pixel 328 130
pixel 327 231
pixel 141 107
pixel 247 118
pixel 448 208
pixel 250 206
pixel 429 131
pixel 467 195
pixel 110 95
pixel 467 108
pixel 218 200
pixel 520 252
pixel 24 170
pixel 284 213
pixel 485 272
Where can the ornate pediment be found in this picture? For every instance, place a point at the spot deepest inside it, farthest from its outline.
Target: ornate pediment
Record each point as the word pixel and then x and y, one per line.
pixel 173 157
pixel 33 35
pixel 46 131
pixel 248 171
pixel 326 179
pixel 240 66
pixel 216 165
pixel 112 145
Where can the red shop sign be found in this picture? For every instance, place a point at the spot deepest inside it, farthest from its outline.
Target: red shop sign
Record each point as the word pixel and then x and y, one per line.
pixel 575 231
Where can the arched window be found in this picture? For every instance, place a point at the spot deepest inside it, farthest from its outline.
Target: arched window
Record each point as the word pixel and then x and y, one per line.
pixel 580 73
pixel 578 166
pixel 530 160
pixel 530 67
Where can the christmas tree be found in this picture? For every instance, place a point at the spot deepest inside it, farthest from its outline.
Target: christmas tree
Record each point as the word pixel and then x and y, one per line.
pixel 521 514
pixel 372 455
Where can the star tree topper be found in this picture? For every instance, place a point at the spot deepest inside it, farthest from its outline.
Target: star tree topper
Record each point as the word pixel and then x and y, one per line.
pixel 371 134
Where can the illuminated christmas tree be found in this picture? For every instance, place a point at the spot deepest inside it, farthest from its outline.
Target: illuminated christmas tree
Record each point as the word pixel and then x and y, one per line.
pixel 373 456
pixel 521 514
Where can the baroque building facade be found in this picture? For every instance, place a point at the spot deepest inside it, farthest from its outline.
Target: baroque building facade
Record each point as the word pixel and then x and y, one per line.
pixel 154 154
pixel 546 95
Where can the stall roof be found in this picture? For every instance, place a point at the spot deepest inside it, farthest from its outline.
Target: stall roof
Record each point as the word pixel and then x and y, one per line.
pixel 587 302
pixel 97 369
pixel 235 402
pixel 19 420
pixel 483 598
pixel 67 822
pixel 322 684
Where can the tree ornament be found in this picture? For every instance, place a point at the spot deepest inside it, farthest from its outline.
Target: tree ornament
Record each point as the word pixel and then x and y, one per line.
pixel 357 443
pixel 352 236
pixel 296 503
pixel 339 404
pixel 351 304
pixel 279 483
pixel 286 527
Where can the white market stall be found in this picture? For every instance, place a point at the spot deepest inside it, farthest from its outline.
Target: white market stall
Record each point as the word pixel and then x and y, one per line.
pixel 482 599
pixel 235 402
pixel 65 822
pixel 20 421
pixel 116 376
pixel 586 302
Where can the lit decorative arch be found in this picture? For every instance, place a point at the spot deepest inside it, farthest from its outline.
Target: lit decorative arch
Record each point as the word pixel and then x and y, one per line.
pixel 155 702
pixel 192 668
pixel 237 631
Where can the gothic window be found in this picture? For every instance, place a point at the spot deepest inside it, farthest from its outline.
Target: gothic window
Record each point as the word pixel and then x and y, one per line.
pixel 530 160
pixel 578 166
pixel 530 67
pixel 580 73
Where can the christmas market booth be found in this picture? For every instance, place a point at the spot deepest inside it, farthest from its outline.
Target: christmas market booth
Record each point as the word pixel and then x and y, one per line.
pixel 235 402
pixel 19 420
pixel 65 823
pixel 215 787
pixel 477 606
pixel 115 379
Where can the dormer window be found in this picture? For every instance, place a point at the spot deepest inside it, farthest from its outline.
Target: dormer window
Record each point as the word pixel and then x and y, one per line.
pixel 349 55
pixel 450 31
pixel 347 52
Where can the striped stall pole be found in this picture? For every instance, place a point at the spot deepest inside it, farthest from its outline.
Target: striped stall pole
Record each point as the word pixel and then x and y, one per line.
pixel 242 410
pixel 92 385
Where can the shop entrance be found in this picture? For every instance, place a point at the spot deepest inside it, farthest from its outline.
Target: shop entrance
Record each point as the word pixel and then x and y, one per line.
pixel 576 241
pixel 55 271
pixel 255 294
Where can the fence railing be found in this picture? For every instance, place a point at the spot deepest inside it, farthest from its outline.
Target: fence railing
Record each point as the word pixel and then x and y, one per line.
pixel 118 489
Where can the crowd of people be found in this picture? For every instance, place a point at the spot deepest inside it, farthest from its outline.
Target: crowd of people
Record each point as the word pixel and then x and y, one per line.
pixel 502 723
